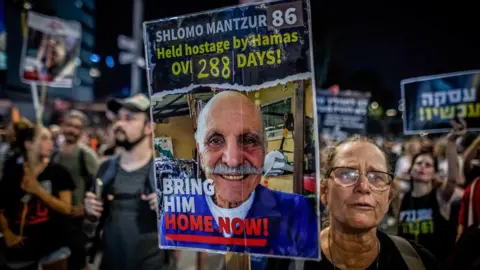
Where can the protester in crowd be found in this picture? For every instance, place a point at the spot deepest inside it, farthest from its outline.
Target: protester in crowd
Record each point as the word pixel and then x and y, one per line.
pixel 356 188
pixel 35 198
pixel 470 206
pixel 466 254
pixel 127 208
pixel 232 156
pixel 82 163
pixel 108 147
pixel 411 148
pixel 4 149
pixel 471 161
pixel 57 137
pixel 426 210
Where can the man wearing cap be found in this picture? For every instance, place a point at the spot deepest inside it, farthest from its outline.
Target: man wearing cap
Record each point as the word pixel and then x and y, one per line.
pixel 82 164
pixel 124 200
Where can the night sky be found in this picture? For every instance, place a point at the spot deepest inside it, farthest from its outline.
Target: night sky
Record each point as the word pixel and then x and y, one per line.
pixel 371 47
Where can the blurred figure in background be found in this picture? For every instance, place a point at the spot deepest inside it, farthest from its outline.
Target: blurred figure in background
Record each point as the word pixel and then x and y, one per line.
pixel 402 167
pixel 57 137
pixel 82 163
pixel 35 198
pixel 410 149
pixel 426 210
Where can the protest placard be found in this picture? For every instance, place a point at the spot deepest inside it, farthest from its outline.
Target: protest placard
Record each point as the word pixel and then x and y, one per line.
pixel 3 37
pixel 232 88
pixel 343 114
pixel 431 102
pixel 50 51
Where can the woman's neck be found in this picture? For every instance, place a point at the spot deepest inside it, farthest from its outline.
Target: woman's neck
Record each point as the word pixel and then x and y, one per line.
pixel 421 188
pixel 350 250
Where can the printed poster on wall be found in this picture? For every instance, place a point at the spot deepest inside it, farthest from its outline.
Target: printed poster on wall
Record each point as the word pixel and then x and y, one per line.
pixel 431 102
pixel 215 80
pixel 164 146
pixel 343 114
pixel 50 51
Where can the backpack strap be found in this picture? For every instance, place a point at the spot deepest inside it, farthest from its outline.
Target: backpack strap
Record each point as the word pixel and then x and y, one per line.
pixel 409 254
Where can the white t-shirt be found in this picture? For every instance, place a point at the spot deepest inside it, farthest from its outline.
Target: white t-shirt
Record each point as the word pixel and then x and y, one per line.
pixel 240 211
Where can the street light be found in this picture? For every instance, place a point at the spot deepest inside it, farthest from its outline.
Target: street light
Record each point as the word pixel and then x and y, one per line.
pixel 94 72
pixel 374 105
pixel 391 112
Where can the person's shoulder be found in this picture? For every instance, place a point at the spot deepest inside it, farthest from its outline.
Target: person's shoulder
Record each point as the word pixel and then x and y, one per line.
pixel 427 258
pixel 87 150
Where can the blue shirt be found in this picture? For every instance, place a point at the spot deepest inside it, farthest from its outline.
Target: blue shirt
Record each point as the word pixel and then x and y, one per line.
pixel 292 226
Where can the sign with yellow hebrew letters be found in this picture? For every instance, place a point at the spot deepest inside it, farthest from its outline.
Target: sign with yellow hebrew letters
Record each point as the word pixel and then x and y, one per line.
pixel 431 102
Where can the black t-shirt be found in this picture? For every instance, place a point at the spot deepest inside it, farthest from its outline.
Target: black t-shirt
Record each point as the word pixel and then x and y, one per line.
pixel 44 229
pixel 389 258
pixel 420 221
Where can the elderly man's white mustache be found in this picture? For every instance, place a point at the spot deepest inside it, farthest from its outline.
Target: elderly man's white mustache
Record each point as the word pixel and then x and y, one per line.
pixel 242 169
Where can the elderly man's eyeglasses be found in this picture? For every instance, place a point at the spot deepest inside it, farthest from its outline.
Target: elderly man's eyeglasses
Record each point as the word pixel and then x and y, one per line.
pixel 346 177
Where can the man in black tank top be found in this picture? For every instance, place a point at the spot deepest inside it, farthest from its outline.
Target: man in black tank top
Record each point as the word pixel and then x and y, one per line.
pixel 127 212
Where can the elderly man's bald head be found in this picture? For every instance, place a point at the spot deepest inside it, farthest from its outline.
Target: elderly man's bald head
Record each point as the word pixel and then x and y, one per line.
pixel 231 146
pixel 223 105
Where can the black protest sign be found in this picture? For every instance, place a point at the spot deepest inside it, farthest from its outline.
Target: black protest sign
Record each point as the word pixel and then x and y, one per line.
pixel 343 114
pixel 242 48
pixel 431 102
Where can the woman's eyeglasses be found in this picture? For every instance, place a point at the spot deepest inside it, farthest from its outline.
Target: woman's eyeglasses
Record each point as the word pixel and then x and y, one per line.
pixel 346 177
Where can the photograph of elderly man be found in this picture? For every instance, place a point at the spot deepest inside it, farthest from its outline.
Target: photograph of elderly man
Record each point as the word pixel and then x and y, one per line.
pixel 232 145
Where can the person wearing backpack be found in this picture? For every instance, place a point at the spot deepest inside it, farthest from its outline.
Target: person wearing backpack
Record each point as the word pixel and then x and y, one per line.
pixel 82 163
pixel 356 189
pixel 125 209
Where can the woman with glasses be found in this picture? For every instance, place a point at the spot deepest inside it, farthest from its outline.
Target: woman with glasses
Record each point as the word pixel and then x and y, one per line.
pixel 426 209
pixel 356 189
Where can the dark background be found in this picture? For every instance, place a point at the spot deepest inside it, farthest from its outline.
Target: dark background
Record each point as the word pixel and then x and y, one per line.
pixel 359 46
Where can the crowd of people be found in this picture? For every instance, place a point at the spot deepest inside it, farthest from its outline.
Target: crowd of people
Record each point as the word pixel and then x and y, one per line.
pixel 69 192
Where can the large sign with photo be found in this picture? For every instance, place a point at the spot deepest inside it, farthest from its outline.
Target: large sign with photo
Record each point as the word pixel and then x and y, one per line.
pixel 343 114
pixel 50 51
pixel 431 102
pixel 210 74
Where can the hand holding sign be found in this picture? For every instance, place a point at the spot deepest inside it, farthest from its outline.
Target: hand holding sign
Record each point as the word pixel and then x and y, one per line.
pixel 459 130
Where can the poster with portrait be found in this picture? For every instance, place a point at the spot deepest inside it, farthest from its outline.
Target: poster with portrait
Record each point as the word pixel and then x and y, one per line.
pixel 50 51
pixel 232 88
pixel 431 102
pixel 3 37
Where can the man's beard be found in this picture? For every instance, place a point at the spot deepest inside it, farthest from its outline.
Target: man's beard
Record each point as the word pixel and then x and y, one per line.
pixel 71 137
pixel 125 143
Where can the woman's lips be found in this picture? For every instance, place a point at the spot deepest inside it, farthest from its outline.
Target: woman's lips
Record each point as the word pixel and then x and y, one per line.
pixel 363 206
